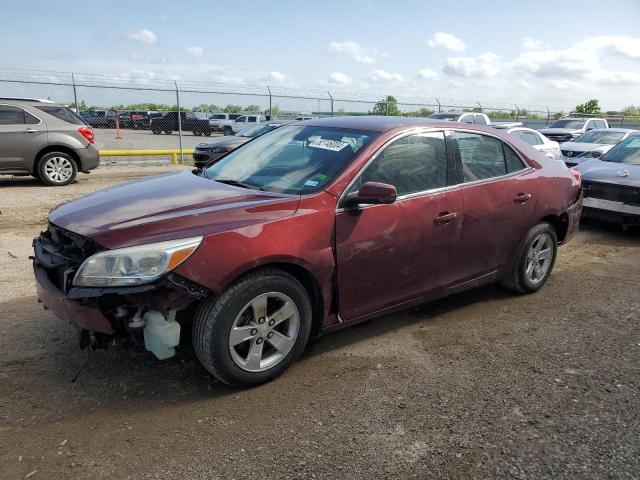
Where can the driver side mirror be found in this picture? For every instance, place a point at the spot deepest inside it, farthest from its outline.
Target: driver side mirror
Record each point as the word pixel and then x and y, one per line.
pixel 372 193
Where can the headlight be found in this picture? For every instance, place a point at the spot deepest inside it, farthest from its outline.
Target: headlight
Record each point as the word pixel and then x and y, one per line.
pixel 219 149
pixel 134 265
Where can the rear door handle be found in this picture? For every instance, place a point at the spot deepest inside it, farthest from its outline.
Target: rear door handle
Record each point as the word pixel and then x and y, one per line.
pixel 522 197
pixel 30 130
pixel 445 217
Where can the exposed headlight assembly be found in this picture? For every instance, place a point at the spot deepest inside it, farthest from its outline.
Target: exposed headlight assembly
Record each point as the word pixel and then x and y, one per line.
pixel 134 265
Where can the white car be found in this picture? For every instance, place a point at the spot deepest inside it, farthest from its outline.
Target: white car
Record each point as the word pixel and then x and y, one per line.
pixel 246 121
pixel 593 144
pixel 538 141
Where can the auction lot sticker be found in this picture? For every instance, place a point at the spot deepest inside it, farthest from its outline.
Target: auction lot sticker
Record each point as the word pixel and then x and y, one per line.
pixel 333 145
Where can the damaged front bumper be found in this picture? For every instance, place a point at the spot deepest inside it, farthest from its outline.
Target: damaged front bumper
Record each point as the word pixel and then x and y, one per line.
pixel 101 314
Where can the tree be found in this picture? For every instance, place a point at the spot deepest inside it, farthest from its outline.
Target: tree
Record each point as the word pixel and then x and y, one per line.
pixel 253 108
pixel 232 109
pixel 423 112
pixel 340 112
pixel 590 107
pixel 631 111
pixel 275 110
pixel 203 107
pixel 387 106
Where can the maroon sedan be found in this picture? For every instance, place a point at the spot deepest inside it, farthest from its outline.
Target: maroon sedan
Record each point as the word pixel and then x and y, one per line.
pixel 309 228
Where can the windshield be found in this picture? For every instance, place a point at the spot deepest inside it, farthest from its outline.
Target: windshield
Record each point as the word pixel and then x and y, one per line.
pixel 444 116
pixel 257 130
pixel 627 151
pixel 570 124
pixel 292 159
pixel 603 137
pixel 218 116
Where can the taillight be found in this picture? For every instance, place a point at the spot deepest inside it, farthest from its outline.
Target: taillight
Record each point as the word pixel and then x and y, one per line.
pixel 577 175
pixel 87 133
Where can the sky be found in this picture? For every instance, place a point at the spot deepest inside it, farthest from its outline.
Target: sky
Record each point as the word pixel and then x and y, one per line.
pixel 556 53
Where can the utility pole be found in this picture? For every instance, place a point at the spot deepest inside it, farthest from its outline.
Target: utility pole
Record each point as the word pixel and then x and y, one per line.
pixel 179 120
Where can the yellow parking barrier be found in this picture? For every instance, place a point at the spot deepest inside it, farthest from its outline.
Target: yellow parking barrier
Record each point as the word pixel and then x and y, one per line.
pixel 145 153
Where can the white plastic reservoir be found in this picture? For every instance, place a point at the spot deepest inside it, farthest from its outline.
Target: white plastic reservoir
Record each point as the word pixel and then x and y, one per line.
pixel 161 334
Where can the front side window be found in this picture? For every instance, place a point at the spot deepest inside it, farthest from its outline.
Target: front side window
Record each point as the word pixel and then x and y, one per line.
pixel 485 157
pixel 411 164
pixel 241 119
pixel 480 120
pixel 466 119
pixel 530 137
pixel 252 119
pixel 291 159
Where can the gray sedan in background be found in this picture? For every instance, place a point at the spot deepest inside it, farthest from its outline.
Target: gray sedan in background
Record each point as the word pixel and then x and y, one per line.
pixel 593 144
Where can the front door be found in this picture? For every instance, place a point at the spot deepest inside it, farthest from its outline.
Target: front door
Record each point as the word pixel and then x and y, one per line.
pixel 390 254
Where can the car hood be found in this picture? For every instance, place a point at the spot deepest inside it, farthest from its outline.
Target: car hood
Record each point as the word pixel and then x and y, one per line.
pixel 610 172
pixel 584 147
pixel 559 131
pixel 166 207
pixel 227 141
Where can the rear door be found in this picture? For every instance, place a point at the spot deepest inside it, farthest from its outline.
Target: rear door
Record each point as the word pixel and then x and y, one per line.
pixel 498 195
pixel 22 136
pixel 390 254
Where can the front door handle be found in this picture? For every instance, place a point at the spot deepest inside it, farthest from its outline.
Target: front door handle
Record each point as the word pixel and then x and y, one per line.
pixel 30 130
pixel 445 217
pixel 522 197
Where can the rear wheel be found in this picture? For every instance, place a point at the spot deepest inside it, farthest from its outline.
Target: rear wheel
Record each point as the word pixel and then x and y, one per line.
pixel 156 131
pixel 227 131
pixel 168 132
pixel 57 169
pixel 534 260
pixel 197 133
pixel 255 330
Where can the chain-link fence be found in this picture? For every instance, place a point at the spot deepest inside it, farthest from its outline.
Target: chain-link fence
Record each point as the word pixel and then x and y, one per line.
pixel 123 109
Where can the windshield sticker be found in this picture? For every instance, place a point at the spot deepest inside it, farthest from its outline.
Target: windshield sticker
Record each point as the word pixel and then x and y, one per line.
pixel 311 183
pixel 333 145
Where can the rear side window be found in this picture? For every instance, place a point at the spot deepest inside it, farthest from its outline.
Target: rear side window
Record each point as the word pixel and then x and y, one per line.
pixel 486 157
pixel 514 162
pixel 411 164
pixel 10 115
pixel 480 120
pixel 62 113
pixel 466 119
pixel 530 138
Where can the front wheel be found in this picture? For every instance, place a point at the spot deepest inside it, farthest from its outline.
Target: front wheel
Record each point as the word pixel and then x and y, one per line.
pixel 227 131
pixel 255 330
pixel 534 260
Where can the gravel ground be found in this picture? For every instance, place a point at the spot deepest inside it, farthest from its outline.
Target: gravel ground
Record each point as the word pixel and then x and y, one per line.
pixel 485 384
pixel 144 139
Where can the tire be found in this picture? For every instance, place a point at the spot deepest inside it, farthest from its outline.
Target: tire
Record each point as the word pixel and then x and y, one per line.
pixel 227 131
pixel 207 134
pixel 156 131
pixel 57 169
pixel 168 132
pixel 522 277
pixel 217 316
pixel 197 133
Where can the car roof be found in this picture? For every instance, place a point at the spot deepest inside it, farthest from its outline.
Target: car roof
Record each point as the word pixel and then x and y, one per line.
pixel 621 130
pixel 27 100
pixel 373 122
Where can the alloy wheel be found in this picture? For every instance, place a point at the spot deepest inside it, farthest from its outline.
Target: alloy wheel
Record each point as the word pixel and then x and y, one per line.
pixel 58 169
pixel 539 258
pixel 264 332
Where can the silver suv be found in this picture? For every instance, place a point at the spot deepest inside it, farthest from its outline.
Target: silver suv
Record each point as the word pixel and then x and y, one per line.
pixel 45 140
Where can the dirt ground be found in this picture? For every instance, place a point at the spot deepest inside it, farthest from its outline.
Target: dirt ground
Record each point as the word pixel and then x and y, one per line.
pixel 485 384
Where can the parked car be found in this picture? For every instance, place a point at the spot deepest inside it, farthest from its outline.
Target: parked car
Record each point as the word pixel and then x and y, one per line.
pixel 310 228
pixel 612 183
pixel 593 144
pixel 99 118
pixel 208 152
pixel 168 122
pixel 45 140
pixel 471 118
pixel 144 123
pixel 568 129
pixel 229 127
pixel 218 122
pixel 538 141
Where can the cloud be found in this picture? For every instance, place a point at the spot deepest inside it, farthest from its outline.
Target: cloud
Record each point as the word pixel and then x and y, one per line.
pixel 529 43
pixel 483 66
pixel 446 40
pixel 385 77
pixel 621 45
pixel 194 51
pixel 144 36
pixel 427 73
pixel 340 78
pixel 571 62
pixel 564 84
pixel 357 52
pixel 613 77
pixel 272 76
